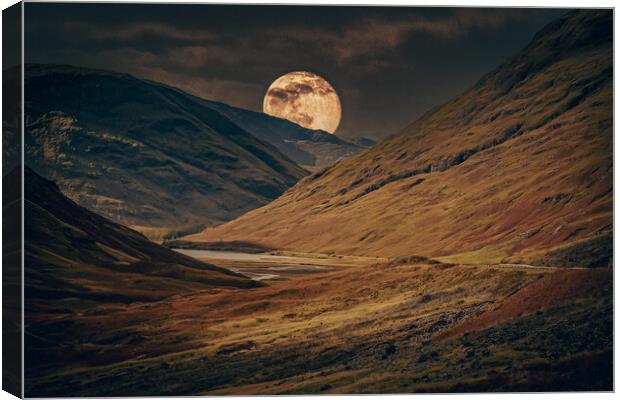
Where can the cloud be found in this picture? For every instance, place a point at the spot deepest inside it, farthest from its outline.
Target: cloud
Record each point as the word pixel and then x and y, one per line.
pixel 224 63
pixel 160 68
pixel 139 30
pixel 344 44
pixel 220 55
pixel 234 92
pixel 376 36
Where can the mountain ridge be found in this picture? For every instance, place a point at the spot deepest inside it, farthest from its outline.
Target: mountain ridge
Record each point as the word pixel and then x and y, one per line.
pixel 153 157
pixel 282 138
pixel 105 138
pixel 469 179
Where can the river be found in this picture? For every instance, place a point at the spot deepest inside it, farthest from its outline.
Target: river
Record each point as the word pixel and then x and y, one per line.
pixel 258 266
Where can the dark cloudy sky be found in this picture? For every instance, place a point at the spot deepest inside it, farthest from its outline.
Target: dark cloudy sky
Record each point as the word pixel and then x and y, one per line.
pixel 389 65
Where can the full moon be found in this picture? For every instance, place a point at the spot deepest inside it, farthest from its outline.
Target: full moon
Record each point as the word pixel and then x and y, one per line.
pixel 305 99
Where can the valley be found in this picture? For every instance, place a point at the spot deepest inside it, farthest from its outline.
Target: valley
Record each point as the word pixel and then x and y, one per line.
pixel 125 316
pixel 354 327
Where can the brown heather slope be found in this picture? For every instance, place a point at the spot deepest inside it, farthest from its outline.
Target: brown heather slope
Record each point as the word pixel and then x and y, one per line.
pixel 518 168
pixel 552 290
pixel 365 329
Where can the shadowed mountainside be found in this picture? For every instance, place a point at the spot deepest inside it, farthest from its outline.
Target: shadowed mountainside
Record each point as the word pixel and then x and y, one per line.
pixel 74 253
pixel 153 157
pixel 77 261
pixel 516 169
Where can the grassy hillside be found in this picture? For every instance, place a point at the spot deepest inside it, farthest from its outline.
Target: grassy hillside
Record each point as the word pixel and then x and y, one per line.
pixel 144 154
pixel 516 169
pixel 384 328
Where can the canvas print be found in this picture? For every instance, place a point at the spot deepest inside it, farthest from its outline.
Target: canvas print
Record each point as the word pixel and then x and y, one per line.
pixel 258 199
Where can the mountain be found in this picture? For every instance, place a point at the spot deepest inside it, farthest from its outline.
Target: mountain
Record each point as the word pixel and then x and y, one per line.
pixel 151 156
pixel 79 264
pixel 73 253
pixel 311 149
pixel 364 142
pixel 517 169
